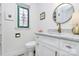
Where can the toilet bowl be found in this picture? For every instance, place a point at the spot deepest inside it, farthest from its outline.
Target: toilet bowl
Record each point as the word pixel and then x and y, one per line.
pixel 30 48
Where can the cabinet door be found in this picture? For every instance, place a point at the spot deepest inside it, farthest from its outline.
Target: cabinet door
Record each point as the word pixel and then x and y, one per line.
pixel 43 50
pixel 71 47
pixel 63 53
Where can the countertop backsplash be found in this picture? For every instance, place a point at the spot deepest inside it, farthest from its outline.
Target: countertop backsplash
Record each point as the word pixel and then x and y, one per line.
pixel 68 31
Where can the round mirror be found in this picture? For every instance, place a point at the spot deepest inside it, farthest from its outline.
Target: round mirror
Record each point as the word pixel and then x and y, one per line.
pixel 63 13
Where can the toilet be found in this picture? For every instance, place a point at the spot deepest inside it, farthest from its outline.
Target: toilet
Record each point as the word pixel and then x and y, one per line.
pixel 30 48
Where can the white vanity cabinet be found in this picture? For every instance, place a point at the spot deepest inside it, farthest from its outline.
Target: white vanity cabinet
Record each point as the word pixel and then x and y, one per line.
pixel 44 50
pixel 51 45
pixel 46 46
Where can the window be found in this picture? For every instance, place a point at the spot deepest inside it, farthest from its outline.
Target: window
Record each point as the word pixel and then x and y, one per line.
pixel 23 17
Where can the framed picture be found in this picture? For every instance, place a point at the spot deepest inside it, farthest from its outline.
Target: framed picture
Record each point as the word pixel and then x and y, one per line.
pixel 23 17
pixel 42 16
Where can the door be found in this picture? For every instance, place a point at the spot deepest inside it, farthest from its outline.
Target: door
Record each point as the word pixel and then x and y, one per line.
pixel 44 50
pixel 63 53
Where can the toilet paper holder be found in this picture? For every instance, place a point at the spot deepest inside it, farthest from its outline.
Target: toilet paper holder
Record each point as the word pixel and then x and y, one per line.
pixel 17 35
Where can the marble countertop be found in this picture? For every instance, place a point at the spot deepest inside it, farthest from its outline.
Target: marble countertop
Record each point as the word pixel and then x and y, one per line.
pixel 64 36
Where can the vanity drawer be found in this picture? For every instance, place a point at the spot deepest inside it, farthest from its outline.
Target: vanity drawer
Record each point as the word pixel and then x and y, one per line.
pixel 70 46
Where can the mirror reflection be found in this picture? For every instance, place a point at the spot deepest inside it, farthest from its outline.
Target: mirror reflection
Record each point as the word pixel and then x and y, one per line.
pixel 63 13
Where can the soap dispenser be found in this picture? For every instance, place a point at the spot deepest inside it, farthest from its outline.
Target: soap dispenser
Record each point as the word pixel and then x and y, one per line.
pixel 75 29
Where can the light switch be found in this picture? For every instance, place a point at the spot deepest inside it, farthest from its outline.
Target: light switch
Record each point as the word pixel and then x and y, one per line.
pixel 9 12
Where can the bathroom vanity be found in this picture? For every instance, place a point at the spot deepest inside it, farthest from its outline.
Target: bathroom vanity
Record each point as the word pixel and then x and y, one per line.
pixel 57 44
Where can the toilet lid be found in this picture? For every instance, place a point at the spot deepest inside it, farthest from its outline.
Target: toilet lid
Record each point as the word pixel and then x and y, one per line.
pixel 30 44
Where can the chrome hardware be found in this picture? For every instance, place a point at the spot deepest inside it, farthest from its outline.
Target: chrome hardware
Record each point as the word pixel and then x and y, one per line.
pixel 55 53
pixel 69 47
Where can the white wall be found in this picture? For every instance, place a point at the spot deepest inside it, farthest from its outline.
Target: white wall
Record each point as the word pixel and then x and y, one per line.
pixel 10 44
pixel 48 22
pixel 15 46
